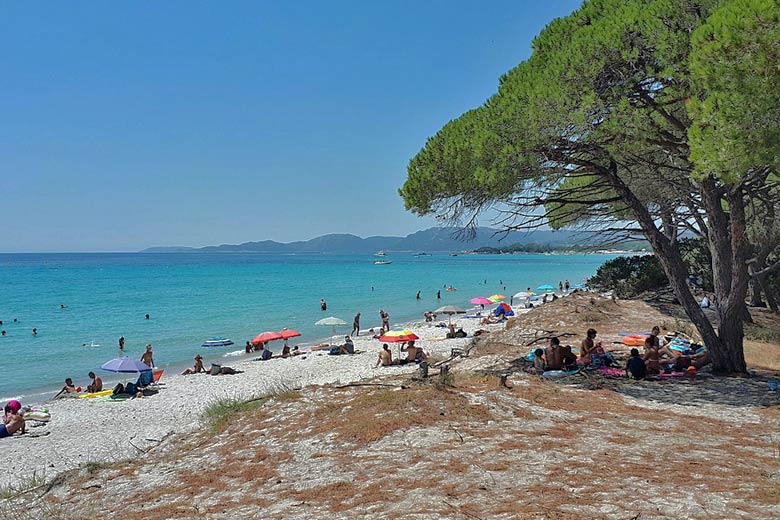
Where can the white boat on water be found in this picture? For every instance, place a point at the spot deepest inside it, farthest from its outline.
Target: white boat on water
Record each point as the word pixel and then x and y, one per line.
pixel 380 253
pixel 382 262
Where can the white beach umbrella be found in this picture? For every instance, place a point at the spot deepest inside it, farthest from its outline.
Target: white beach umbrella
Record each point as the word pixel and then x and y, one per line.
pixel 331 321
pixel 449 309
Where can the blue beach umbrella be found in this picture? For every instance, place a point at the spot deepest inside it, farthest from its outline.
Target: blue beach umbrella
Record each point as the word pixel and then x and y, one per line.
pixel 125 365
pixel 545 288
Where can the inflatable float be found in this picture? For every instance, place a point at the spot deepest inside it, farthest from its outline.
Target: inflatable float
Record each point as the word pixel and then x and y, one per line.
pixel 95 394
pixel 634 340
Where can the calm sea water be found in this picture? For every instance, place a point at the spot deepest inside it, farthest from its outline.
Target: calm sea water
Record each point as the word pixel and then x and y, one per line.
pixel 193 297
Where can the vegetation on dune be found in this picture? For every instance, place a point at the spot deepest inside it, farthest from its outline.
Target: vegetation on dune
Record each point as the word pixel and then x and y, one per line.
pixel 637 119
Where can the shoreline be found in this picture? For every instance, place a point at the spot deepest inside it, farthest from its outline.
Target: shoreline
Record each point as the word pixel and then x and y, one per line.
pixel 127 428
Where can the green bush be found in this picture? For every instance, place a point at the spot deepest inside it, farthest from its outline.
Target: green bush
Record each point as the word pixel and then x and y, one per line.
pixel 628 276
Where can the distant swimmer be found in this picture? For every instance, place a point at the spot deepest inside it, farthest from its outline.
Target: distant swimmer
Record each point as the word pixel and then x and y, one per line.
pixel 323 305
pixel 372 288
pixel 122 344
pixel 1 322
pixel 438 294
pixel 15 320
pixel 35 332
pixel 63 306
pixel 147 316
pixel 3 333
pixel 418 295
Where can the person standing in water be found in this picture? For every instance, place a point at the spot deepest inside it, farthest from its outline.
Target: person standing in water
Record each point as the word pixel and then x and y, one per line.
pixel 122 345
pixel 438 294
pixel 356 325
pixel 418 295
pixel 35 332
pixel 323 305
pixel 147 316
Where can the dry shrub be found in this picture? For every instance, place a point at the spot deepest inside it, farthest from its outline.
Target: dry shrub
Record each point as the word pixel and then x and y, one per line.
pixel 374 414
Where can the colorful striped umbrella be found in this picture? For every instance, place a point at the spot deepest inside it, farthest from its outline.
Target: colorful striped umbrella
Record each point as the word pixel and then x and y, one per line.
pixel 497 298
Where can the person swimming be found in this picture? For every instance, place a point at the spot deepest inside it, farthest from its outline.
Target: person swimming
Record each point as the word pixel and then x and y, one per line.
pixel 147 317
pixel 35 332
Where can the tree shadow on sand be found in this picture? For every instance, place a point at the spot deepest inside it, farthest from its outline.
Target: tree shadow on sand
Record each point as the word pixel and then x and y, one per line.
pixel 703 388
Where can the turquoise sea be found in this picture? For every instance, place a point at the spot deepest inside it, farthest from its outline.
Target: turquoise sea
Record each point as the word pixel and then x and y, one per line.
pixel 193 297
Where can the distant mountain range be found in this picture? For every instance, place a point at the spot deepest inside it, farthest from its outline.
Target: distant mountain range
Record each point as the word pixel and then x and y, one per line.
pixel 436 239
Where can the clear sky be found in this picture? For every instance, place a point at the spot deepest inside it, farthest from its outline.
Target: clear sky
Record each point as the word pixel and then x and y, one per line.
pixel 125 125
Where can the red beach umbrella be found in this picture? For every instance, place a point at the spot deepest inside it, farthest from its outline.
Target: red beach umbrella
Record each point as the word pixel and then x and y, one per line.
pixel 288 333
pixel 265 337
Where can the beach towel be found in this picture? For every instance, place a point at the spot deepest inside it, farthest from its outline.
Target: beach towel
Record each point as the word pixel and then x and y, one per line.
pixel 560 373
pixel 612 372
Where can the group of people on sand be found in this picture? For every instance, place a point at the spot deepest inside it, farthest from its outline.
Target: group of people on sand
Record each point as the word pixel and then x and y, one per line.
pixel 657 357
pixel 414 354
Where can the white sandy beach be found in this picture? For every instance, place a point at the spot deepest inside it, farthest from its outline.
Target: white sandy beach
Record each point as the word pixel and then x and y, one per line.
pixel 98 430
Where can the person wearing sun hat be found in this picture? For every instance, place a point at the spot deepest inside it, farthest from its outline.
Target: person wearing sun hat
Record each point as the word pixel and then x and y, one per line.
pixel 198 368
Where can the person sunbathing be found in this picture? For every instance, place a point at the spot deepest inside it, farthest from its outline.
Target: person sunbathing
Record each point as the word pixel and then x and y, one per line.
pixel 652 357
pixel 589 346
pixel 559 357
pixel 12 422
pixel 348 347
pixel 414 354
pixel 197 368
pixel 68 389
pixel 538 366
pixel 385 356
pixel 636 365
pixel 97 383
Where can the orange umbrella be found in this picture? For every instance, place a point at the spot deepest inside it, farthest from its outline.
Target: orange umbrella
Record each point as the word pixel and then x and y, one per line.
pixel 398 336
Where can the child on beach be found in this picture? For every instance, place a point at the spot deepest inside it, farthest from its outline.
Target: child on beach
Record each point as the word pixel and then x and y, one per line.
pixel 636 365
pixel 538 361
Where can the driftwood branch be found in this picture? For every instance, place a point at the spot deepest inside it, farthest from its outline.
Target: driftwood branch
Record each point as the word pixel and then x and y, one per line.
pixel 542 338
pixel 402 387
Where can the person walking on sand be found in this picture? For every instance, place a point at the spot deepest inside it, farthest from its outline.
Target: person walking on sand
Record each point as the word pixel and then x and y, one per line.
pixel 323 305
pixel 147 357
pixel 356 325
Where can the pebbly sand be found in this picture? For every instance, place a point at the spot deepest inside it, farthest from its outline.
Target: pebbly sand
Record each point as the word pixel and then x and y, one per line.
pixel 97 430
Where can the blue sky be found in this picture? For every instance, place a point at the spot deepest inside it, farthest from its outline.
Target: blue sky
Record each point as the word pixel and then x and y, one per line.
pixel 125 125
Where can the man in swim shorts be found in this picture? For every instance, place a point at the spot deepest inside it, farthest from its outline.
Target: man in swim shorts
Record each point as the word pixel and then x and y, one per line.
pixel 97 383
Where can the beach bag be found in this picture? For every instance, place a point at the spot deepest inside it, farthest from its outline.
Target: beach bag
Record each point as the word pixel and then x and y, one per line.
pixel 266 355
pixel 118 389
pixel 131 389
pixel 334 351
pixel 215 369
